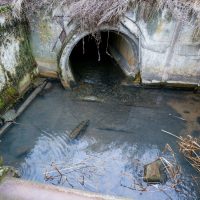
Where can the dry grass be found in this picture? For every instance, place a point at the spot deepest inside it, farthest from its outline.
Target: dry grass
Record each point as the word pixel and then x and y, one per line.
pixel 90 14
pixel 95 13
pixel 190 147
pixel 171 166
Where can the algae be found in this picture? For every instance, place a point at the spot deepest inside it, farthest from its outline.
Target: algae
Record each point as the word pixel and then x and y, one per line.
pixel 8 171
pixel 137 78
pixel 1 161
pixel 8 96
pixel 2 103
pixel 25 61
pixel 5 9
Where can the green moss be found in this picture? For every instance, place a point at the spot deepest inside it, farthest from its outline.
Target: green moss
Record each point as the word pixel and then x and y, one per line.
pixel 11 91
pixel 137 78
pixel 5 9
pixel 6 12
pixel 3 172
pixel 2 103
pixel 1 161
pixel 26 62
pixel 9 95
pixel 8 171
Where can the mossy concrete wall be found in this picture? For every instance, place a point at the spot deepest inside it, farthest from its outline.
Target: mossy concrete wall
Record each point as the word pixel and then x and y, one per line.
pixel 17 64
pixel 168 50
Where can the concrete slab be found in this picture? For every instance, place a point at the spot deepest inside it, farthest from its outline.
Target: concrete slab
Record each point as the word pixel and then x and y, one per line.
pixel 16 189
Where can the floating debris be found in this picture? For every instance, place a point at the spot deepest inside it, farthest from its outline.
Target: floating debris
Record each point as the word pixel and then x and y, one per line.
pixel 91 99
pixel 79 130
pixel 190 147
pixel 177 117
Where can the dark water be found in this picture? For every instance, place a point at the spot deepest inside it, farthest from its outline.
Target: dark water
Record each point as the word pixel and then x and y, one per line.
pixel 91 63
pixel 124 134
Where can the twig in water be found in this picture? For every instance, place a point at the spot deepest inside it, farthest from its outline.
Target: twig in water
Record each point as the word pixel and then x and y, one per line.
pixel 127 187
pixel 170 134
pixel 47 177
pixel 69 183
pixel 177 117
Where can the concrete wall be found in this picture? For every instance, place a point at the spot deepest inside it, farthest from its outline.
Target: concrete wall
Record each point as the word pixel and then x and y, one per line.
pixel 17 65
pixel 17 189
pixel 125 53
pixel 167 50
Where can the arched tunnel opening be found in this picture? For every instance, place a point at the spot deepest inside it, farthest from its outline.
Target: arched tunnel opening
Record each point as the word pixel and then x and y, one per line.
pixel 107 62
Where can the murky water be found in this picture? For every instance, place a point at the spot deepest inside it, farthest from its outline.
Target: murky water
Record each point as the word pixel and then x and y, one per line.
pixel 124 134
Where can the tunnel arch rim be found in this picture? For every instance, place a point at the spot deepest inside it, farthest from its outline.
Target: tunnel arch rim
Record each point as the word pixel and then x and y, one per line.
pixel 66 75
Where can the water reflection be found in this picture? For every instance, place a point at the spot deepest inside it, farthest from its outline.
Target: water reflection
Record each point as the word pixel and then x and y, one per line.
pixel 124 134
pixel 112 169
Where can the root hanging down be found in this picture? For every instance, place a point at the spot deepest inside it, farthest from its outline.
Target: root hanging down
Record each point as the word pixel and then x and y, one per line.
pixel 91 14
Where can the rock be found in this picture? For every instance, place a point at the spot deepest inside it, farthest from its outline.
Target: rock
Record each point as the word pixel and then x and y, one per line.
pixel 9 115
pixel 155 172
pixel 8 171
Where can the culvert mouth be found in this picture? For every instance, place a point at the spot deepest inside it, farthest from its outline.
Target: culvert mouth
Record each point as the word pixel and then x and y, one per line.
pixel 92 63
pixel 110 61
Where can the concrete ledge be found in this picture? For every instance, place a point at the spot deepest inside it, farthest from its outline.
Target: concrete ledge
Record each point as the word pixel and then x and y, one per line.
pixel 17 189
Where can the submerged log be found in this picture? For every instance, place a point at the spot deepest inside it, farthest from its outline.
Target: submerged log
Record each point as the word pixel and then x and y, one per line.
pixel 79 130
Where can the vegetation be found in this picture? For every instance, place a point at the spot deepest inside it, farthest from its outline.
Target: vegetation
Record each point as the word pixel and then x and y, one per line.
pixel 90 14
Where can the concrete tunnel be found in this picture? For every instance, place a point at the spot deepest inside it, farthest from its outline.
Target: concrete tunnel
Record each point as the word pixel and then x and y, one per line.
pixel 115 57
